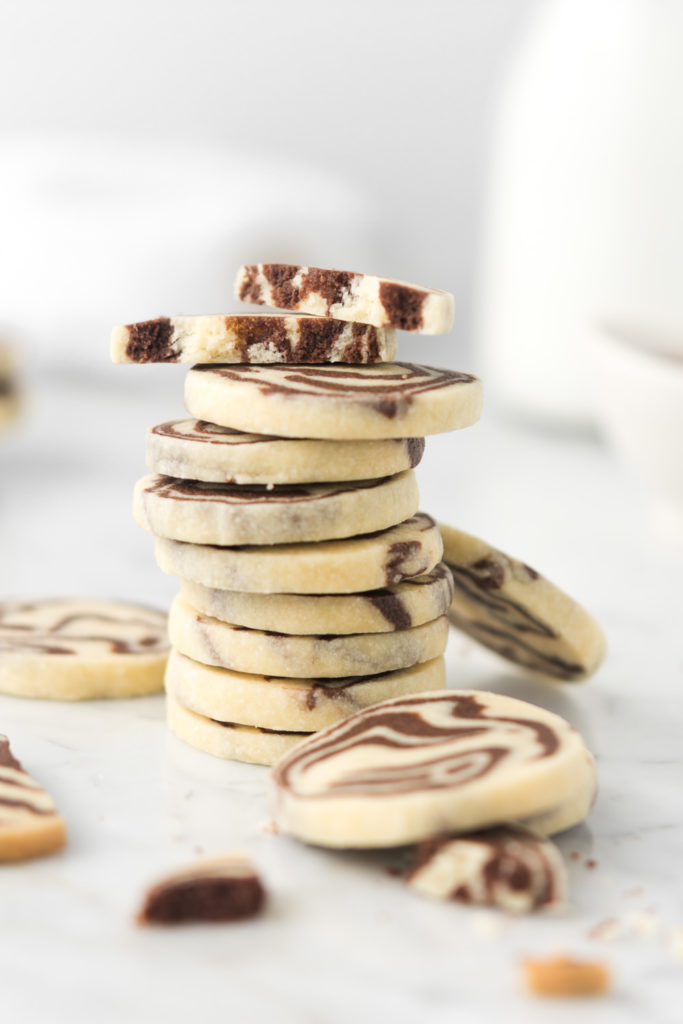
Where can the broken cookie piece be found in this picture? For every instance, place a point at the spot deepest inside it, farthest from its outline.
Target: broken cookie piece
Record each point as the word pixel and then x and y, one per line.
pixel 29 823
pixel 219 889
pixel 562 976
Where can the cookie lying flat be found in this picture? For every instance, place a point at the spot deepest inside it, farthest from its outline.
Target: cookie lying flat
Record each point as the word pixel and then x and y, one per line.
pixel 230 514
pixel 347 296
pixel 416 767
pixel 250 338
pixel 572 809
pixel 81 648
pixel 376 611
pixel 508 867
pixel 217 889
pixel 206 639
pixel 29 823
pixel 327 567
pixel 287 704
pixel 510 608
pixel 196 450
pixel 226 740
pixel 334 402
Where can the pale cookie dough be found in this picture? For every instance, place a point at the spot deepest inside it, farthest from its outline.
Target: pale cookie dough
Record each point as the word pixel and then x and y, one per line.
pixel 251 338
pixel 230 514
pixel 81 648
pixel 347 296
pixel 228 741
pixel 225 888
pixel 407 604
pixel 416 767
pixel 507 606
pixel 30 825
pixel 507 866
pixel 196 450
pixel 285 704
pixel 226 645
pixel 327 567
pixel 574 808
pixel 335 402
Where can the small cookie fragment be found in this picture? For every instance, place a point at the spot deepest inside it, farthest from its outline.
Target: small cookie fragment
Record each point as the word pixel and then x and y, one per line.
pixel 219 889
pixel 509 867
pixel 29 823
pixel 563 976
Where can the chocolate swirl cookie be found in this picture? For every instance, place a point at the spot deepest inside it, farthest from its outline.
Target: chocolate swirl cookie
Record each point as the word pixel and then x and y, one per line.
pixel 29 823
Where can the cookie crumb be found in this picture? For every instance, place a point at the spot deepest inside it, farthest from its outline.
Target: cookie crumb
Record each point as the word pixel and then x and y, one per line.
pixel 220 889
pixel 563 976
pixel 606 931
pixel 675 942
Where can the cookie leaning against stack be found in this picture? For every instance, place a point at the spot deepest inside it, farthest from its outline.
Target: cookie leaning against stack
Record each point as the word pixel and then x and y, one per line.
pixel 311 585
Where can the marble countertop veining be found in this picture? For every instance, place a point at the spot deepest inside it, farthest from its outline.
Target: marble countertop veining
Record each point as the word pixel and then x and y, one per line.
pixel 342 939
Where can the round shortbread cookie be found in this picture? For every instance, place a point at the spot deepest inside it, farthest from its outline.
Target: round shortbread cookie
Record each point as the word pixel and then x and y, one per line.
pixel 30 825
pixel 196 450
pixel 81 648
pixel 230 514
pixel 346 295
pixel 407 604
pixel 417 767
pixel 291 705
pixel 228 741
pixel 326 567
pixel 226 645
pixel 251 338
pixel 335 402
pixel 507 606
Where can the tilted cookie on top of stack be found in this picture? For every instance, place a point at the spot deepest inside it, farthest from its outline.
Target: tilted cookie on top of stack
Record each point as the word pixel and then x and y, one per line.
pixel 311 585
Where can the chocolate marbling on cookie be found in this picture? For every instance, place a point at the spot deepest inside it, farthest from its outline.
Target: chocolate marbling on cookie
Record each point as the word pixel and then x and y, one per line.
pixel 287 704
pixel 347 296
pixel 9 392
pixel 387 609
pixel 196 450
pixel 29 823
pixel 510 608
pixel 251 338
pixel 335 402
pixel 367 562
pixel 224 888
pixel 507 866
pixel 416 767
pixel 81 648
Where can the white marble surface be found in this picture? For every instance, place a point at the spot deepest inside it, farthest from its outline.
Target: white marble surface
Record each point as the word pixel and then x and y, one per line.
pixel 342 939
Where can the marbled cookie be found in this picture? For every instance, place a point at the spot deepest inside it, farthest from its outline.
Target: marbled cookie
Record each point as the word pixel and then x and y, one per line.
pixel 572 809
pixel 251 338
pixel 9 393
pixel 29 823
pixel 507 866
pixel 416 767
pixel 347 296
pixel 196 450
pixel 74 649
pixel 230 514
pixel 399 607
pixel 288 704
pixel 326 567
pixel 226 645
pixel 507 606
pixel 227 740
pixel 334 402
pixel 213 889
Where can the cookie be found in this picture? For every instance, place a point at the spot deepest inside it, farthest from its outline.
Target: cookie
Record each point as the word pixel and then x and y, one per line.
pixel 347 296
pixel 230 514
pixel 416 767
pixel 251 338
pixel 507 866
pixel 76 649
pixel 563 976
pixel 226 645
pixel 334 402
pixel 29 823
pixel 573 809
pixel 327 567
pixel 227 740
pixel 288 704
pixel 402 606
pixel 214 889
pixel 196 450
pixel 9 392
pixel 510 608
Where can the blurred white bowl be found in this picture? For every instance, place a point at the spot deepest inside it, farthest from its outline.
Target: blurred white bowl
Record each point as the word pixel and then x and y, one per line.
pixel 640 408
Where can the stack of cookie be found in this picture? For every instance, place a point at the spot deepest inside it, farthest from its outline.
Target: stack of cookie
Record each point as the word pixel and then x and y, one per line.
pixel 311 585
